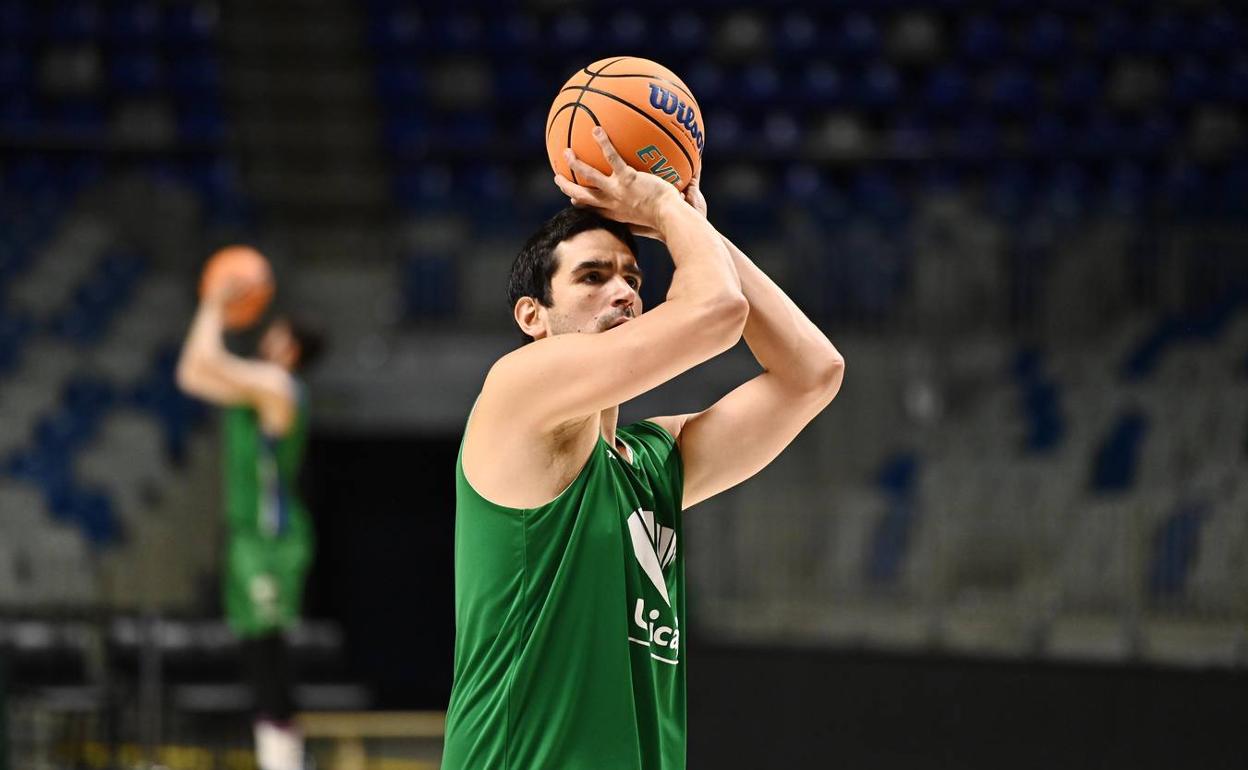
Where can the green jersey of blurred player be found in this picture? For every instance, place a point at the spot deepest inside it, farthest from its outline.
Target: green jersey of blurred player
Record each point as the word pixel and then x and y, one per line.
pixel 269 535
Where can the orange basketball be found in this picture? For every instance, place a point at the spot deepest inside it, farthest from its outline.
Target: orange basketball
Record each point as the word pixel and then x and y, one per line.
pixel 251 270
pixel 648 113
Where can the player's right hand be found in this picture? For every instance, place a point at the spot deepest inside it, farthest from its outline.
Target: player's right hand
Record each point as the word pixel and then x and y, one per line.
pixel 625 195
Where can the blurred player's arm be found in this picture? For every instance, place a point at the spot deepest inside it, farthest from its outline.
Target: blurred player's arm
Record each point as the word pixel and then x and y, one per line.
pixel 207 370
pixel 581 374
pixel 746 429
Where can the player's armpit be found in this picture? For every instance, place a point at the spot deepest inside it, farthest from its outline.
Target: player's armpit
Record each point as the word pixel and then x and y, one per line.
pixel 744 431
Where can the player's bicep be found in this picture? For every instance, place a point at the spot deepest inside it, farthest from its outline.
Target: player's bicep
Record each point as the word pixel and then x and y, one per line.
pixel 232 381
pixel 738 436
pixel 568 376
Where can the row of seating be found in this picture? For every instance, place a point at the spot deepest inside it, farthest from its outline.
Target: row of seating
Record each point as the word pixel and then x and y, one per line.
pixel 976 35
pixel 184 22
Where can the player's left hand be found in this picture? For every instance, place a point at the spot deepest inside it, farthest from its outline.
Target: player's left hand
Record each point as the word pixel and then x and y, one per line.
pixel 692 195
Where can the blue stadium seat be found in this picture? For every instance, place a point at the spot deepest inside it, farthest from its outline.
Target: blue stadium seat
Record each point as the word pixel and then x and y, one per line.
pixel 190 23
pixel 626 30
pixel 946 90
pixel 19 115
pixel 82 119
pixel 1154 134
pixel 430 286
pixel 1219 31
pixel 1191 83
pixel 1100 134
pixel 706 80
pixel 1115 34
pixel 782 132
pixel 977 136
pixel 1127 188
pixel 134 22
pixel 572 33
pixel 1175 549
pixel 16 21
pixel 1012 90
pixel 16 68
pixel 401 83
pixel 195 73
pixel 796 36
pixel 201 121
pixel 136 72
pixel 686 31
pixel 513 32
pixel 880 86
pixel 1049 135
pixel 399 31
pixel 1234 86
pixel 909 136
pixel 820 84
pixel 1116 460
pixel 1045 38
pixel 760 84
pixel 857 37
pixel 73 21
pixel 981 39
pixel 1165 34
pixel 1080 87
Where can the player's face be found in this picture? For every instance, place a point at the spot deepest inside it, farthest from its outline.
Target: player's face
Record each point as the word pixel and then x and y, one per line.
pixel 595 286
pixel 278 345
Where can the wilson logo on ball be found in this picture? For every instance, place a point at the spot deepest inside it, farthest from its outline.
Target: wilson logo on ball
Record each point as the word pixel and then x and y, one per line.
pixel 662 99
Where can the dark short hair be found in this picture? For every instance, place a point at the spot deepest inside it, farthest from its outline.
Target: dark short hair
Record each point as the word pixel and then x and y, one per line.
pixel 535 265
pixel 309 338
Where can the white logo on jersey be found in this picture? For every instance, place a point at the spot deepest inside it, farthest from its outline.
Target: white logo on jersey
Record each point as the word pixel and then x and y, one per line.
pixel 654 546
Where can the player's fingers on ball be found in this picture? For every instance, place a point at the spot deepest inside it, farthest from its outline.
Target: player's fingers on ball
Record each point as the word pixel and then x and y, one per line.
pixel 576 193
pixel 587 172
pixel 608 150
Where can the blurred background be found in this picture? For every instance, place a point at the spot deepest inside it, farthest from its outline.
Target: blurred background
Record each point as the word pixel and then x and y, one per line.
pixel 1018 538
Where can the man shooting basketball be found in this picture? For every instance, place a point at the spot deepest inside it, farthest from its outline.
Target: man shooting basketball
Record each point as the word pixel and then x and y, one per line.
pixel 269 533
pixel 569 567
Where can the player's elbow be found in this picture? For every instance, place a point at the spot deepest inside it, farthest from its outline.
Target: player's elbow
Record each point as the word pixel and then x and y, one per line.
pixel 832 374
pixel 823 374
pixel 190 376
pixel 724 317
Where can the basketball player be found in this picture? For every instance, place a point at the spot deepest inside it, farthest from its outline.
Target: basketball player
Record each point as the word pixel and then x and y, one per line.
pixel 269 534
pixel 569 568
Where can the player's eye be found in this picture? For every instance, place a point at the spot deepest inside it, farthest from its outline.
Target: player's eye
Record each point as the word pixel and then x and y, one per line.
pixel 634 282
pixel 592 278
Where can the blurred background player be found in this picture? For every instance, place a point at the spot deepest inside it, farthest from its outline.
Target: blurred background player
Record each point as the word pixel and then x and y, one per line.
pixel 270 537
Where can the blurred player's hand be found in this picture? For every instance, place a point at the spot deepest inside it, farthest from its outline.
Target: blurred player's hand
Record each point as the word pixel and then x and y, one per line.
pixel 625 195
pixel 692 195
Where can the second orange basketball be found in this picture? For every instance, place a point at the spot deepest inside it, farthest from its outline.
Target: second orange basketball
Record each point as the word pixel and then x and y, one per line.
pixel 647 111
pixel 249 269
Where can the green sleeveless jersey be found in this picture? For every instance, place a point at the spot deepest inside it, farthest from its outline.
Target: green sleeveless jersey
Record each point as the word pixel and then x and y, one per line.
pixel 569 619
pixel 269 545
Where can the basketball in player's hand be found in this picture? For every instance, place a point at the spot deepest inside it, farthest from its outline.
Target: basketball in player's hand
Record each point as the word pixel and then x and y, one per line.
pixel 250 280
pixel 648 113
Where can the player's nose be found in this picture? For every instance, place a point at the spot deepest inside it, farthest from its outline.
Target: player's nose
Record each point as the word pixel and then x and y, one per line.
pixel 622 293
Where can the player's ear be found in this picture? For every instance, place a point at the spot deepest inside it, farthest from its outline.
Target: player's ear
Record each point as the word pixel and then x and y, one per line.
pixel 529 317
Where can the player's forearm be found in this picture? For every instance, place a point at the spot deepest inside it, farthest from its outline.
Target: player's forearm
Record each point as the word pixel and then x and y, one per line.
pixel 783 340
pixel 705 273
pixel 204 344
